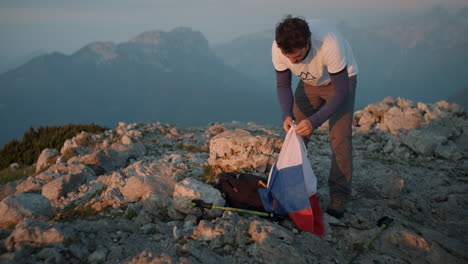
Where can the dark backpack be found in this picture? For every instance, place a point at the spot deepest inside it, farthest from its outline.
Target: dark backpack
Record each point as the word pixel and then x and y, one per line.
pixel 240 190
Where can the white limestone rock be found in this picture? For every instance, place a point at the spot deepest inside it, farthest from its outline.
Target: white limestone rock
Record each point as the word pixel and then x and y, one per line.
pixel 46 159
pixel 59 187
pixel 135 188
pixel 33 233
pixel 236 150
pixel 399 121
pixel 190 189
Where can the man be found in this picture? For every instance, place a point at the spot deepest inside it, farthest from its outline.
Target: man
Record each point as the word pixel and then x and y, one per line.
pixel 319 55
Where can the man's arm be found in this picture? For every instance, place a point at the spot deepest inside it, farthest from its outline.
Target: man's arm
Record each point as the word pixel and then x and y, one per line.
pixel 340 81
pixel 284 92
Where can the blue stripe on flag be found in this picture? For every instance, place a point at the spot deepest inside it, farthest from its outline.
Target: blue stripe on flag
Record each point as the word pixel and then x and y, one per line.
pixel 286 192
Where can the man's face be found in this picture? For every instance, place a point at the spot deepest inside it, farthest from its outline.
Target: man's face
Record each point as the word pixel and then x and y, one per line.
pixel 297 55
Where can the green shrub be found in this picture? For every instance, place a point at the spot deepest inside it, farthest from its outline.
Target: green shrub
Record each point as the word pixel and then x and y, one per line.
pixel 27 151
pixel 209 175
pixel 130 214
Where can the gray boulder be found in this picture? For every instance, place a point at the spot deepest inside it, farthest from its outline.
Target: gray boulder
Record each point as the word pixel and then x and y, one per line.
pixel 421 142
pixel 16 207
pixel 114 157
pixel 424 140
pixel 450 150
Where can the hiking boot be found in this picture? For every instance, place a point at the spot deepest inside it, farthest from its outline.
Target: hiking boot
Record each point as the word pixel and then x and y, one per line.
pixel 336 208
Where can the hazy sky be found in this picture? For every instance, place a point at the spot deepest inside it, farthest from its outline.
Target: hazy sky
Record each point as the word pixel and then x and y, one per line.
pixel 67 25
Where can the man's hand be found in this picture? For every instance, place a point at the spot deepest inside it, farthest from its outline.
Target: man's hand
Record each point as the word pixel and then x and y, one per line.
pixel 287 123
pixel 304 128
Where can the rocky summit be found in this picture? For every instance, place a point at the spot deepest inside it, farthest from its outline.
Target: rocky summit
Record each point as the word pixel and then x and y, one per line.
pixel 123 196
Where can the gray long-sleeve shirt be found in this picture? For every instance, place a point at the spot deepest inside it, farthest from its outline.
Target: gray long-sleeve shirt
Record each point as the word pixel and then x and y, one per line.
pixel 340 81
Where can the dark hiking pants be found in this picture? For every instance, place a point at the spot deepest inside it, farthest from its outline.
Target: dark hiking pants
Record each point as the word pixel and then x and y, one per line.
pixel 307 100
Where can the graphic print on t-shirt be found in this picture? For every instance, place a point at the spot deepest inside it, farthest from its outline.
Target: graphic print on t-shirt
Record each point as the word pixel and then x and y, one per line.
pixel 306 76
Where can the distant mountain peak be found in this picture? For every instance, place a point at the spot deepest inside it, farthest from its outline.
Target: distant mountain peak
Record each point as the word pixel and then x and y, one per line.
pixel 149 37
pixel 157 37
pixel 183 39
pixel 183 30
pixel 107 50
pixel 99 52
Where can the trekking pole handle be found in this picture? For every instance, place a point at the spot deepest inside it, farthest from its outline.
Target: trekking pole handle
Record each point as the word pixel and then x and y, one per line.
pixel 383 223
pixel 201 204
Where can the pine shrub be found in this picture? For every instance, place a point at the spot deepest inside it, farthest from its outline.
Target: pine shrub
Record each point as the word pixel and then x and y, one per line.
pixel 27 151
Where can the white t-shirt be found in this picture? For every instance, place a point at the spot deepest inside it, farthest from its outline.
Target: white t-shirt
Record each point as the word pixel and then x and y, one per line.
pixel 329 52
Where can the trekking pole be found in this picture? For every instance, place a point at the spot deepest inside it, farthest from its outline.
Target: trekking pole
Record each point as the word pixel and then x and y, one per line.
pixel 383 224
pixel 203 205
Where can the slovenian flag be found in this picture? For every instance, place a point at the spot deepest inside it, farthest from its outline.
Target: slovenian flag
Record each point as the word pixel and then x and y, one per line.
pixel 292 187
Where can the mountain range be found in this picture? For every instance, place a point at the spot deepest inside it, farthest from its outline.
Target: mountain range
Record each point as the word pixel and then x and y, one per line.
pixel 10 62
pixel 172 77
pixel 177 77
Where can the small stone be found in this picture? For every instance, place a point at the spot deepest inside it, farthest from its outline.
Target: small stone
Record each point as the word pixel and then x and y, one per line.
pixel 98 256
pixel 148 228
pixel 76 251
pixel 126 140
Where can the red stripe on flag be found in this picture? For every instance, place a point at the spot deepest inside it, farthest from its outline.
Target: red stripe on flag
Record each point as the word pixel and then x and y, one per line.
pixel 310 219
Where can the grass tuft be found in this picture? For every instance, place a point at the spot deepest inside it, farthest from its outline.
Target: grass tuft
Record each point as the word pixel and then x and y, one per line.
pixel 7 175
pixel 85 140
pixel 209 175
pixel 193 149
pixel 71 212
pixel 69 153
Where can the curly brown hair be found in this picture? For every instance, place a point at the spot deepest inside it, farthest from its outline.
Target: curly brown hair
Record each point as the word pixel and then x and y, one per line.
pixel 292 33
